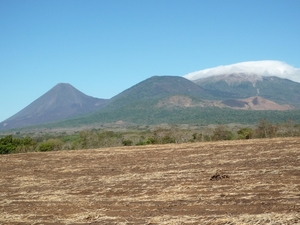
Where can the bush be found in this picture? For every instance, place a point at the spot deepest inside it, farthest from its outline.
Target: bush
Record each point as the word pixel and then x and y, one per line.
pixel 196 137
pixel 265 129
pixel 50 145
pixel 167 139
pixel 127 142
pixel 220 133
pixel 148 141
pixel 6 149
pixel 8 144
pixel 245 133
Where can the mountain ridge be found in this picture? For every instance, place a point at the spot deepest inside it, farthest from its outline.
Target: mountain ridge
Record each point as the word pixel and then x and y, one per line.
pixel 279 90
pixel 163 99
pixel 157 87
pixel 60 102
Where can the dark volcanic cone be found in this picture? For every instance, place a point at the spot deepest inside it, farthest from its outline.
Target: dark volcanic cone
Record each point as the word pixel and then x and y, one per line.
pixel 61 102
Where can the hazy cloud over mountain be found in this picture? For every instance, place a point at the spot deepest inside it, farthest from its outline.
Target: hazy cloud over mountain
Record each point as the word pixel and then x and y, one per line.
pixel 261 68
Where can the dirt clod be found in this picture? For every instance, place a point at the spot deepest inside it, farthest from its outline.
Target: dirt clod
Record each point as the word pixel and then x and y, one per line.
pixel 219 175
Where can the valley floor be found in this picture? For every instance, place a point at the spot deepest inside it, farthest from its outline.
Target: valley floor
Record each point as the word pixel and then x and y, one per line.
pixel 228 182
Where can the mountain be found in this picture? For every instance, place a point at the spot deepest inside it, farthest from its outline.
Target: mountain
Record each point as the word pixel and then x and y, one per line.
pixel 63 101
pixel 243 93
pixel 279 90
pixel 157 87
pixel 267 79
pixel 176 100
pixel 258 68
pixel 141 103
pixel 137 103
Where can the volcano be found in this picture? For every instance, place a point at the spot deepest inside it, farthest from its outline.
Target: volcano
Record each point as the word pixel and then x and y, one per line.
pixel 61 102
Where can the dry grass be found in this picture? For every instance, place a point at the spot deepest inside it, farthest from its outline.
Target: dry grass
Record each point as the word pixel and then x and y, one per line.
pixel 156 184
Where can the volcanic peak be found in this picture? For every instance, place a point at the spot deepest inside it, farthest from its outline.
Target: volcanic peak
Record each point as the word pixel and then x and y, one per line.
pixel 258 68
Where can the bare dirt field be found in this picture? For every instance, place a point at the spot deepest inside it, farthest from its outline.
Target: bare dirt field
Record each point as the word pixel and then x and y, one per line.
pixel 228 182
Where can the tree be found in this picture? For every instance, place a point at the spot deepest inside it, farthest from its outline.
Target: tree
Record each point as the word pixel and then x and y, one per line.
pixel 245 133
pixel 127 142
pixel 196 137
pixel 221 133
pixel 50 145
pixel 265 129
pixel 7 145
pixel 163 136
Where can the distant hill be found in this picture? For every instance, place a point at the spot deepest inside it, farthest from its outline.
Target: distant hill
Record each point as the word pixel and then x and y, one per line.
pixel 141 102
pixel 279 90
pixel 176 100
pixel 266 78
pixel 63 101
pixel 155 88
pixel 225 98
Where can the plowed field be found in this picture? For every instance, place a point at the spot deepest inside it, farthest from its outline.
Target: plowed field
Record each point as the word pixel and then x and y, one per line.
pixel 228 182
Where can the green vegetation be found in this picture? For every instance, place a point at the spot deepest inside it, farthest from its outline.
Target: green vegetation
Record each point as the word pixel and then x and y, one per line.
pixel 163 134
pixel 146 113
pixel 245 133
pixel 221 133
pixel 155 101
pixel 268 88
pixel 265 129
pixel 8 144
pixel 50 145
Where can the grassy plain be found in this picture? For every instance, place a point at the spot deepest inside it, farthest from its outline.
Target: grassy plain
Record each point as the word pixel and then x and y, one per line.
pixel 253 181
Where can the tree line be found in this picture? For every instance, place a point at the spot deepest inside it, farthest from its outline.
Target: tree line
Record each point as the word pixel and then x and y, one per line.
pixel 97 138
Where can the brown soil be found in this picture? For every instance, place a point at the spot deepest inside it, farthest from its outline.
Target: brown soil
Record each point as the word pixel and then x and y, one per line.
pixel 255 103
pixel 259 103
pixel 256 182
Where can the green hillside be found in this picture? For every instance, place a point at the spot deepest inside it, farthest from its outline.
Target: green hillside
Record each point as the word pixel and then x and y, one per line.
pixel 145 113
pixel 139 105
pixel 176 100
pixel 155 88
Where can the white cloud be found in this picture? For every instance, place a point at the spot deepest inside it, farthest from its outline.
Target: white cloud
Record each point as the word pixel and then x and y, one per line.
pixel 261 68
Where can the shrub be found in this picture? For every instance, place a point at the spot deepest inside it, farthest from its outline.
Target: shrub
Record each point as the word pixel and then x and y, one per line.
pixel 220 133
pixel 50 145
pixel 245 133
pixel 5 149
pixel 265 129
pixel 8 144
pixel 127 142
pixel 167 139
pixel 196 137
pixel 149 141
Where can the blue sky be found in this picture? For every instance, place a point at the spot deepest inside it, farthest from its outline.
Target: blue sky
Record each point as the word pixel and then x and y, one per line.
pixel 106 46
